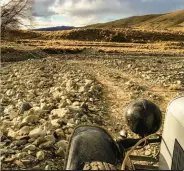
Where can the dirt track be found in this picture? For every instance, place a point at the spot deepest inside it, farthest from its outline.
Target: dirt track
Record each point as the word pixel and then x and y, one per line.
pixel 115 81
pixel 121 86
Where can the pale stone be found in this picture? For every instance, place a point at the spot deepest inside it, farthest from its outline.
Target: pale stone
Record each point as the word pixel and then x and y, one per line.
pixel 30 119
pixel 12 133
pixel 37 132
pixel 60 112
pixel 30 147
pixel 13 114
pixel 24 130
pixel 55 123
pixel 40 155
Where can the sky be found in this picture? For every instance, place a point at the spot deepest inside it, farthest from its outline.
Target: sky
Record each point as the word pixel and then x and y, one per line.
pixel 48 13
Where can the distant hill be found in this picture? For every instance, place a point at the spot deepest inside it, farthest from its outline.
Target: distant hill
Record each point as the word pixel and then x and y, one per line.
pixel 58 28
pixel 158 21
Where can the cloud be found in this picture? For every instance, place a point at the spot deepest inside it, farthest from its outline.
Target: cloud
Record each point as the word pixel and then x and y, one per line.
pixel 84 12
pixel 41 8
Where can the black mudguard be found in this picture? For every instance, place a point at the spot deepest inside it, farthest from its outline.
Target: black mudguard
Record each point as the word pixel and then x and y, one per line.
pixel 91 143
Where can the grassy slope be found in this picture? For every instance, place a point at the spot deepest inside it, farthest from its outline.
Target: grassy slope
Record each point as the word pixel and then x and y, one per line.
pixel 173 19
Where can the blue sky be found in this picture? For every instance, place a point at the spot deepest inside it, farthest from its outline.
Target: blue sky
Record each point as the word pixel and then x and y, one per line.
pixel 49 13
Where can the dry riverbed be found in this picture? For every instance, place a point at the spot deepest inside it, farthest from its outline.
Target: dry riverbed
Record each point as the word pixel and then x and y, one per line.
pixel 42 100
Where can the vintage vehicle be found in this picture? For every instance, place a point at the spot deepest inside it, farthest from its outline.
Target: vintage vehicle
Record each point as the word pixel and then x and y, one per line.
pixel 93 148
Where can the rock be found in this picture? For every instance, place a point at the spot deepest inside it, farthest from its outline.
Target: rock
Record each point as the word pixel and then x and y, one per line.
pixel 12 133
pixel 69 85
pixel 46 145
pixel 57 95
pixel 60 152
pixel 84 118
pixel 39 141
pixel 48 125
pixel 68 137
pixel 47 167
pixel 60 133
pixel 55 123
pixel 62 104
pixel 24 130
pixel 30 147
pixel 178 82
pixel 40 155
pixel 19 163
pixel 42 121
pixel 1 110
pixel 20 142
pixel 123 133
pixel 8 109
pixel 21 155
pixel 29 119
pixel 82 89
pixel 4 100
pixel 75 109
pixel 43 106
pixel 25 107
pixel 13 114
pixel 88 82
pixel 50 138
pixel 37 167
pixel 10 92
pixel 76 103
pixel 6 124
pixel 175 87
pixel 37 132
pixel 62 143
pixel 60 112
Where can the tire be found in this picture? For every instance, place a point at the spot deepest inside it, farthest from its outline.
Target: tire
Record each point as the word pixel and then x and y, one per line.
pixel 99 166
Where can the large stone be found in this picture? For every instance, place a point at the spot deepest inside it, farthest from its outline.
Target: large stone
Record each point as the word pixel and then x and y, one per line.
pixel 76 103
pixel 62 104
pixel 50 138
pixel 25 107
pixel 37 132
pixel 60 133
pixel 39 141
pixel 55 123
pixel 29 119
pixel 40 155
pixel 43 106
pixel 88 82
pixel 8 109
pixel 6 124
pixel 12 133
pixel 75 109
pixel 57 94
pixel 47 125
pixel 61 152
pixel 21 155
pixel 10 92
pixel 19 163
pixel 82 89
pixel 46 145
pixel 60 112
pixel 24 130
pixel 13 114
pixel 47 167
pixel 62 143
pixel 30 147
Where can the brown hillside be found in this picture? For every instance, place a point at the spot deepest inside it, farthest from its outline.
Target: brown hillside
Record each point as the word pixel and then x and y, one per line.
pixel 159 21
